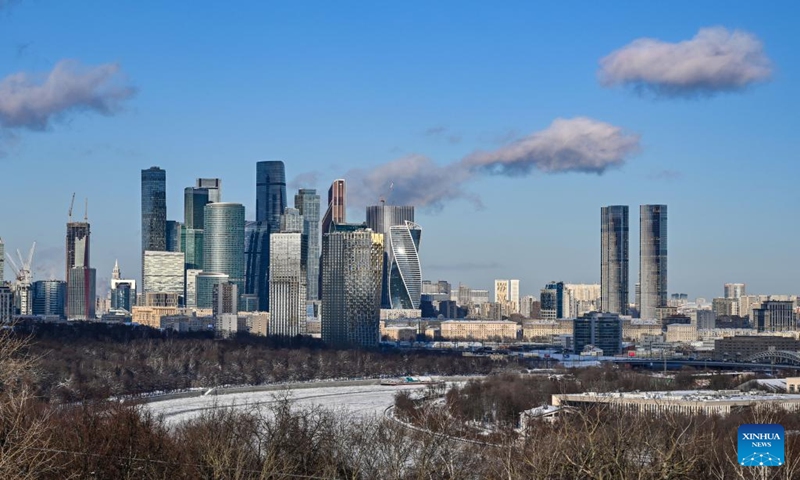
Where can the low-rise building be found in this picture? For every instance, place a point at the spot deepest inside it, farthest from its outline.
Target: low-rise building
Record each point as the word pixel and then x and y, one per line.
pixel 681 333
pixel 151 316
pixel 546 328
pixel 635 330
pixel 742 347
pixel 399 334
pixel 479 330
pixel 709 402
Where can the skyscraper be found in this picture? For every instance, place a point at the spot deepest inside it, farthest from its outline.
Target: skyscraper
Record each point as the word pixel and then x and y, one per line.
pixel 154 209
pixel 291 221
pixel 337 209
pixel 552 301
pixel 194 201
pixel 287 284
pixel 163 272
pixel 734 290
pixel 270 193
pixel 256 254
pixel 214 187
pixel 78 235
pixel 513 296
pixel 405 275
pixel 352 266
pixel 223 249
pixel 380 218
pixel 652 259
pixel 49 297
pixel 174 236
pixel 2 261
pixel 614 259
pixel 81 285
pixel 307 202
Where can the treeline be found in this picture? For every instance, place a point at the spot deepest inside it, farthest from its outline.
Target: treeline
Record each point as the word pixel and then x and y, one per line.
pixel 93 361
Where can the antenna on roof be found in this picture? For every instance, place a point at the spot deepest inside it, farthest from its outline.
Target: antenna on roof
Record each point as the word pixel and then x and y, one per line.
pixel 86 211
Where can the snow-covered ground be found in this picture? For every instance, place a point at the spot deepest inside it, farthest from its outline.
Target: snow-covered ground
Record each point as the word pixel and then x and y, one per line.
pixel 366 400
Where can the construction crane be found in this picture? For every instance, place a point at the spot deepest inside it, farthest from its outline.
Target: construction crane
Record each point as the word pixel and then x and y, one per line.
pixel 23 270
pixel 71 204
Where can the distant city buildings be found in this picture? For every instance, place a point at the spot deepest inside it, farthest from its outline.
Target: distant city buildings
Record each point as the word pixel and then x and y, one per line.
pixel 552 301
pixel 154 210
pixel 381 218
pixel 506 294
pixel 734 290
pixel 49 298
pixel 652 259
pixel 163 272
pixel 599 330
pixel 352 271
pixel 306 201
pixel 614 259
pixel 223 241
pixel 287 283
pixel 336 211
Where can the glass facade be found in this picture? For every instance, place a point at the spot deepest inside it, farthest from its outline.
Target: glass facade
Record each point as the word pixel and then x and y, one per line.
pixel 601 330
pixel 614 259
pixel 337 210
pixel 49 297
pixel 380 218
pixel 270 193
pixel 78 235
pixel 205 288
pixel 405 276
pixel 81 293
pixel 552 301
pixel 194 201
pixel 174 236
pixel 256 253
pixel 123 296
pixel 223 241
pixel 307 202
pixel 163 272
pixel 287 284
pixel 154 209
pixel 352 267
pixel 652 259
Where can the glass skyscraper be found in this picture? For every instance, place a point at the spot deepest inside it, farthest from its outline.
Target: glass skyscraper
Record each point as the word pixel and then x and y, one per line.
pixel 223 241
pixel 652 259
pixel 614 259
pixel 337 210
pixel 380 218
pixel 154 209
pixel 174 236
pixel 49 297
pixel 270 193
pixel 352 266
pixel 307 202
pixel 405 275
pixel 256 254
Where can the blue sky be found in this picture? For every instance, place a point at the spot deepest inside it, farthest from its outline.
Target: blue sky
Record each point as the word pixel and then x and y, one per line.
pixel 336 87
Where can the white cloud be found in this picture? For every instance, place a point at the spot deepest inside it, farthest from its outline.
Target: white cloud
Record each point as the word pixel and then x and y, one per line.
pixel 715 60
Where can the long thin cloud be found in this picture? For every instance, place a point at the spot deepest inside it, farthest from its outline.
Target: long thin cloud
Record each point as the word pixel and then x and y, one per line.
pixel 581 145
pixel 34 102
pixel 715 60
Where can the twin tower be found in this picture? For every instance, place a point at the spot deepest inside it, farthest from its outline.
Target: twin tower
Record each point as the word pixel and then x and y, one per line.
pixel 614 282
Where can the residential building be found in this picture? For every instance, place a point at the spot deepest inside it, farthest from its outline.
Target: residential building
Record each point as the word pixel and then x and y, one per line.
pixel 600 330
pixel 151 316
pixel 542 329
pixel 681 333
pixel 742 347
pixel 774 316
pixel 287 283
pixel 581 298
pixel 81 293
pixel 652 259
pixel 734 290
pixel 614 229
pixel 479 330
pixel 163 272
pixel 224 299
pixel 352 266
pixel 725 307
pixel 706 319
pixel 552 301
pixel 6 303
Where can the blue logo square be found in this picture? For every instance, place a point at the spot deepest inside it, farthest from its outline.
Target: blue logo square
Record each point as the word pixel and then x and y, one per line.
pixel 761 445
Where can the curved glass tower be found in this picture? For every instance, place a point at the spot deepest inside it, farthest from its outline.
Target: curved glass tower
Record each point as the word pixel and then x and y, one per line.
pixel 405 275
pixel 223 238
pixel 652 259
pixel 381 218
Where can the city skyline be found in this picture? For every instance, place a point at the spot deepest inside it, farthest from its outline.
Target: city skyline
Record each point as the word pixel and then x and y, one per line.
pixel 692 150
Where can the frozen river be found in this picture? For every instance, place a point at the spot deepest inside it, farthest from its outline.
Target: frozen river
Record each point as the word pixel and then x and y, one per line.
pixel 366 398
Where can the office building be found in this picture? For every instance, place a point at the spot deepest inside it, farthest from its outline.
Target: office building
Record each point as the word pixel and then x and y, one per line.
pixel 307 203
pixel 214 187
pixel 49 297
pixel 223 241
pixel 224 298
pixel 2 261
pixel 174 236
pixel 741 347
pixel 256 253
pixel 552 301
pixel 352 267
pixel 270 193
pixel 600 330
pixel 380 219
pixel 194 203
pixel 81 293
pixel 405 275
pixel 160 299
pixel 336 211
pixel 123 296
pixel 614 259
pixel 78 236
pixel 705 319
pixel 734 290
pixel 652 259
pixel 287 284
pixel 205 283
pixel 163 272
pixel 6 303
pixel 190 292
pixel 479 330
pixel 154 210
pixel 774 316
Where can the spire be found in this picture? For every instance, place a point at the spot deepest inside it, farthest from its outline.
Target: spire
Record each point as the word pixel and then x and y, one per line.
pixel 115 272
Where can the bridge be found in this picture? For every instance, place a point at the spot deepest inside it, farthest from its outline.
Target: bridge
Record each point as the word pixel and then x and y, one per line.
pixel 760 363
pixel 782 357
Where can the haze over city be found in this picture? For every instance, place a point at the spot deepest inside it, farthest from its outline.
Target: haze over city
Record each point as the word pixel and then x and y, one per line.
pixel 507 127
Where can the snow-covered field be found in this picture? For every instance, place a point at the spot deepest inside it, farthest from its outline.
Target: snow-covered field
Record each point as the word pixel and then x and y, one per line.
pixel 366 400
